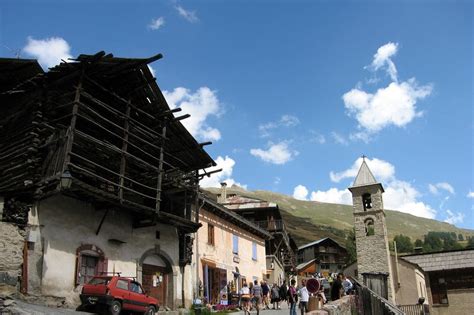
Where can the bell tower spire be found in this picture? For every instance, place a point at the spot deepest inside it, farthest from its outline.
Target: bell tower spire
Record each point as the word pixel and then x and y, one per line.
pixel 373 256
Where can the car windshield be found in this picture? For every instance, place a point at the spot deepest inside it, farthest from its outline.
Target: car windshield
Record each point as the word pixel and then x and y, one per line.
pixel 102 280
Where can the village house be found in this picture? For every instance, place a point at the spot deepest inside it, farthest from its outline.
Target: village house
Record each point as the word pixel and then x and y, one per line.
pixel 230 250
pixel 328 254
pixel 281 248
pixel 97 175
pixel 449 280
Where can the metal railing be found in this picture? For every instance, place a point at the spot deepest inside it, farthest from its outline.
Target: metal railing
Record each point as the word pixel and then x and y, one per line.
pixel 367 302
pixel 416 309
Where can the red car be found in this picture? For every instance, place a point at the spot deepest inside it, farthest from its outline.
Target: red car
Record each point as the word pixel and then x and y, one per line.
pixel 112 294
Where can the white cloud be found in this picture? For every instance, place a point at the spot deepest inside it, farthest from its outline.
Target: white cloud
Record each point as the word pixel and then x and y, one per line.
pixel 190 16
pixel 277 180
pixel 338 138
pixel 200 105
pixel 381 169
pixel 284 121
pixel 227 165
pixel 156 23
pixel 434 189
pixel 49 51
pixel 399 195
pixel 470 194
pixel 454 218
pixel 392 105
pixel 383 59
pixel 332 195
pixel 300 192
pixel 317 137
pixel 278 153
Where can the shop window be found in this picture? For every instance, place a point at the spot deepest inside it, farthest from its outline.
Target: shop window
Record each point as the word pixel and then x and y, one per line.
pixel 235 244
pixel 254 251
pixel 90 262
pixel 367 201
pixel 210 234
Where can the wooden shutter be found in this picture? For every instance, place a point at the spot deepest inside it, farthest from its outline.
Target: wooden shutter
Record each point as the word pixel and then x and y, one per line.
pixel 102 266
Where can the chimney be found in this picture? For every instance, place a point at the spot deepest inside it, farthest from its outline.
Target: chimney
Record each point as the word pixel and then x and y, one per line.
pixel 223 197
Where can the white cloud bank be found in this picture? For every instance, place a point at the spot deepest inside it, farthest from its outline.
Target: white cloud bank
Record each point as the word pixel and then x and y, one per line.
pixel 393 105
pixel 454 218
pixel 200 105
pixel 214 180
pixel 278 153
pixel 470 194
pixel 300 192
pixel 399 195
pixel 49 51
pixel 156 23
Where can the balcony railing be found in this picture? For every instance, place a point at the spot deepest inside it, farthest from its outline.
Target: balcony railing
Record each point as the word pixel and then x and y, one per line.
pixel 273 225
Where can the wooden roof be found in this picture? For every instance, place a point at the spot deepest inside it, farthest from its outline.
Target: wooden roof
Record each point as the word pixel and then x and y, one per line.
pixel 446 260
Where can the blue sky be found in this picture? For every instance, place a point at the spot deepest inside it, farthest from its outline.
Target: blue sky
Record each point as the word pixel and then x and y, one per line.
pixel 292 93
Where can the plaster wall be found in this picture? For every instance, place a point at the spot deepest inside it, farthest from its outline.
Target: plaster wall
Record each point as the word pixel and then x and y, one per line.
pixel 461 302
pixel 221 252
pixel 65 224
pixel 275 274
pixel 409 283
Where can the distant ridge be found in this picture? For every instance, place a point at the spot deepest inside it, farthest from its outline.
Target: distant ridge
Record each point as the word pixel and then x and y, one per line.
pixel 311 220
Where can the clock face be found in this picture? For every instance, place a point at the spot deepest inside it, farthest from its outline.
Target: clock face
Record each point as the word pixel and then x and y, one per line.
pixel 313 285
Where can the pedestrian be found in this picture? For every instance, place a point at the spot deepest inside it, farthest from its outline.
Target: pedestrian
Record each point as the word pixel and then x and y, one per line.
pixel 275 296
pixel 336 288
pixel 265 291
pixel 283 292
pixel 292 297
pixel 347 285
pixel 245 298
pixel 257 295
pixel 304 297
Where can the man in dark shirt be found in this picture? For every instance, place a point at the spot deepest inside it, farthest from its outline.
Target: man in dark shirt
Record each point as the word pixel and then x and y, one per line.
pixel 265 291
pixel 336 288
pixel 257 295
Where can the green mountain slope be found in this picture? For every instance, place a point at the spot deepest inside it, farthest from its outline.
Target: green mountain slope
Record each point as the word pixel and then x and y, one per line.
pixel 308 220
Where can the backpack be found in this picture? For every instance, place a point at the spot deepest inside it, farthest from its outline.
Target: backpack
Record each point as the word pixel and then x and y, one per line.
pixel 292 298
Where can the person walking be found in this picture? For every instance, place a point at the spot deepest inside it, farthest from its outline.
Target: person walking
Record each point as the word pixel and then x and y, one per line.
pixel 275 296
pixel 304 297
pixel 347 285
pixel 336 288
pixel 245 298
pixel 283 292
pixel 292 297
pixel 257 295
pixel 265 291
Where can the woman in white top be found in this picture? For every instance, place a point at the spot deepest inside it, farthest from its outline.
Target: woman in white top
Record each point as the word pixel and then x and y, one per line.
pixel 245 298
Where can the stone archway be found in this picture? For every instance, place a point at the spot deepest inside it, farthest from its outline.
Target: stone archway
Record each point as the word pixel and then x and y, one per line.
pixel 155 272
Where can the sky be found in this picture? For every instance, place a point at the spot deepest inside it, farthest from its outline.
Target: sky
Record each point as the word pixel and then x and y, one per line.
pixel 293 93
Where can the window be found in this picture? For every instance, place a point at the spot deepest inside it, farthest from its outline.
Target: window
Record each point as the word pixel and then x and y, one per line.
pixel 210 234
pixel 369 227
pixel 367 201
pixel 254 251
pixel 438 289
pixel 235 244
pixel 135 287
pixel 89 263
pixel 122 284
pixel 442 281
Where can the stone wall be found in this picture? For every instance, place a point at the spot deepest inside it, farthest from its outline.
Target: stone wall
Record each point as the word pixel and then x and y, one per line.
pixel 11 253
pixel 343 306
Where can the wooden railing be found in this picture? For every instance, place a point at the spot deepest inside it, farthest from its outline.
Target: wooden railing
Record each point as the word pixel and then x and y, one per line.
pixel 367 302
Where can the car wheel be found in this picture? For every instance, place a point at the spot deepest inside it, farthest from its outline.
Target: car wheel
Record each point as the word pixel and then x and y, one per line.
pixel 150 311
pixel 115 308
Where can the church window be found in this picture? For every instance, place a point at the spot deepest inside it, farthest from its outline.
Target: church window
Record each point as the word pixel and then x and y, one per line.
pixel 369 227
pixel 367 201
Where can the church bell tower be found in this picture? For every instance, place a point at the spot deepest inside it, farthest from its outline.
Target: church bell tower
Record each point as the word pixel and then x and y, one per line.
pixel 373 256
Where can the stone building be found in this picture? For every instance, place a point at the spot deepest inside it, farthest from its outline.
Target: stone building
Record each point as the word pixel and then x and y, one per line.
pixel 373 257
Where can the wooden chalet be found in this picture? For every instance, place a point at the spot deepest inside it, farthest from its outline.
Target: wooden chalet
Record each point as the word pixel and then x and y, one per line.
pixel 93 139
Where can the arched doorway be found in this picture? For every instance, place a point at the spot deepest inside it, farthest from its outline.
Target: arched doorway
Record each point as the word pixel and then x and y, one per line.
pixel 157 277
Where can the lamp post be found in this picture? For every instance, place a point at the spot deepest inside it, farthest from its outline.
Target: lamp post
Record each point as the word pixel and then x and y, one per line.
pixel 66 180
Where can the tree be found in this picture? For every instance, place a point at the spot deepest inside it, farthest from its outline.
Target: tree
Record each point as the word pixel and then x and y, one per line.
pixel 418 243
pixel 351 247
pixel 470 242
pixel 433 242
pixel 404 244
pixel 460 237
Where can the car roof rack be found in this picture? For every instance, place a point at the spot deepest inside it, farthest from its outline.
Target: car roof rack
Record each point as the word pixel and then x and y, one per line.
pixel 112 273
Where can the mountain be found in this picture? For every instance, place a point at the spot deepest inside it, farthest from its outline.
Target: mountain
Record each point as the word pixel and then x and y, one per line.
pixel 309 220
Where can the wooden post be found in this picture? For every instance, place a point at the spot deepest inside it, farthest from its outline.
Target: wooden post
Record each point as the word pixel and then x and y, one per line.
pixel 160 168
pixel 123 161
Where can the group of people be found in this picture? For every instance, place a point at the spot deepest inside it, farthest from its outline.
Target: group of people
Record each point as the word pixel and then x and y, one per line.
pixel 261 294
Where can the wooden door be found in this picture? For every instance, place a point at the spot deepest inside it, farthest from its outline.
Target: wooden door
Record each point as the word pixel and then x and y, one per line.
pixel 155 282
